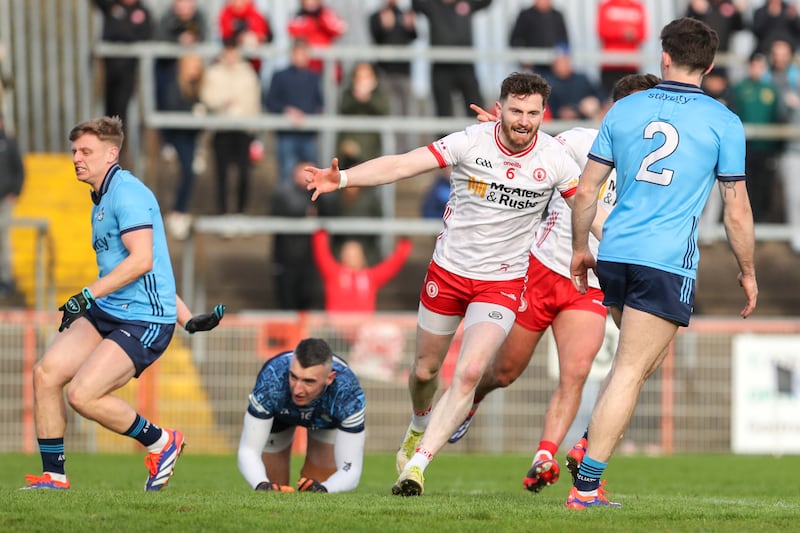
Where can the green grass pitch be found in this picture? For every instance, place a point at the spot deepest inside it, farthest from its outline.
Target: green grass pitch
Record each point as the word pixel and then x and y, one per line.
pixel 481 493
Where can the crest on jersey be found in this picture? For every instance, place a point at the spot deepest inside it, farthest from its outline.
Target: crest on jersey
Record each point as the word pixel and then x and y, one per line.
pixel 540 174
pixel 432 289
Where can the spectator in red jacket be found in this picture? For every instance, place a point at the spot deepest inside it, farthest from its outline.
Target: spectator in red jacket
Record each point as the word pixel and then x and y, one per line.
pixel 319 26
pixel 241 20
pixel 621 27
pixel 350 284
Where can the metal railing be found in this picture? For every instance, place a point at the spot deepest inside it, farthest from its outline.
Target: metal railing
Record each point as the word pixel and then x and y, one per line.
pixel 44 282
pixel 329 122
pixel 193 287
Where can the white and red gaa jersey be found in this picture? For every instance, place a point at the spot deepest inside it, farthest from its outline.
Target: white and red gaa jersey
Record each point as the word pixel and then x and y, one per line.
pixel 553 243
pixel 497 198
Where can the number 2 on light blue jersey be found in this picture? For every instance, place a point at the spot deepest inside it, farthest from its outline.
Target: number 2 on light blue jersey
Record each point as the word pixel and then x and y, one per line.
pixel 663 177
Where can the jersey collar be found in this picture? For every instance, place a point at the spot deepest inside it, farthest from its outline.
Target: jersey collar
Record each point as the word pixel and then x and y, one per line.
pixel 506 150
pixel 96 197
pixel 678 86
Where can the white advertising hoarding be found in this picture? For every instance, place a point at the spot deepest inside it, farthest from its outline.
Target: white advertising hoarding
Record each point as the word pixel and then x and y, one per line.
pixel 766 394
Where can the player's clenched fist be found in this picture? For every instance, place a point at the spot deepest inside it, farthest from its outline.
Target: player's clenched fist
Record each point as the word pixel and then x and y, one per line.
pixel 306 484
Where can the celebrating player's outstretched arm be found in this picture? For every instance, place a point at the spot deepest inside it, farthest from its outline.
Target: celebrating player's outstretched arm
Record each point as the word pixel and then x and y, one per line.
pixel 378 171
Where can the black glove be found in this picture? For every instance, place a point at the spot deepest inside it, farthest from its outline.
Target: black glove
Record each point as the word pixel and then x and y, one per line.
pixel 268 486
pixel 206 321
pixel 75 307
pixel 306 484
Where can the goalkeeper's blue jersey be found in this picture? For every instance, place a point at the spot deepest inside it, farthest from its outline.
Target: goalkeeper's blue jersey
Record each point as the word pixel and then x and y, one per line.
pixel 341 406
pixel 668 145
pixel 125 204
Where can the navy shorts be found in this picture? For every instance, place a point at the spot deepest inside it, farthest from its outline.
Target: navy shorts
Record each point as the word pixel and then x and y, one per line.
pixel 660 293
pixel 144 342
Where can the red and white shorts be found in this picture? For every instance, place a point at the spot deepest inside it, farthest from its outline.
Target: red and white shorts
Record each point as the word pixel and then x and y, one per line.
pixel 449 294
pixel 547 293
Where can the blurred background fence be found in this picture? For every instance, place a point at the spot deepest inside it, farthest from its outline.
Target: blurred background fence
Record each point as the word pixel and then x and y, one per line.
pixel 201 385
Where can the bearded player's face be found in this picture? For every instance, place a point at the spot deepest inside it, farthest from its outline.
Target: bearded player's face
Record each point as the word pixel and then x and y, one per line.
pixel 520 118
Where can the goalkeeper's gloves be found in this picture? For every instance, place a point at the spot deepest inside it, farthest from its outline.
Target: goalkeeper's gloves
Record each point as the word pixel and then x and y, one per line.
pixel 75 307
pixel 205 321
pixel 306 484
pixel 269 486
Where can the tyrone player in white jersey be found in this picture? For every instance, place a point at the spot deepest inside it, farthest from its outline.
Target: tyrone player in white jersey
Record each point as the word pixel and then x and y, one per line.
pixel 503 176
pixel 578 320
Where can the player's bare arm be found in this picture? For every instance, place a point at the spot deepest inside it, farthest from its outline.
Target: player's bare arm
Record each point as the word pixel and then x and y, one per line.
pixel 599 218
pixel 139 262
pixel 184 313
pixel 584 210
pixel 738 222
pixel 378 171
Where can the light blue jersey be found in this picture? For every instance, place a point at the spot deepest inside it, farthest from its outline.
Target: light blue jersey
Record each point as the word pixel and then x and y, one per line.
pixel 668 145
pixel 125 204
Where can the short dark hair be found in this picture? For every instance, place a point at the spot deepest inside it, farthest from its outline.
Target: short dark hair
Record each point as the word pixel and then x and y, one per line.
pixel 312 352
pixel 690 43
pixel 523 84
pixel 632 83
pixel 107 129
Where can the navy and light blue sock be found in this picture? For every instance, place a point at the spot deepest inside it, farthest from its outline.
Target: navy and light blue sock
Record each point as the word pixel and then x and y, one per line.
pixel 52 451
pixel 589 474
pixel 143 431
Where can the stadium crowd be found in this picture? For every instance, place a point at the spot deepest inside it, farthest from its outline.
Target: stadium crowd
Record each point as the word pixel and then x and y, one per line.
pixel 580 92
